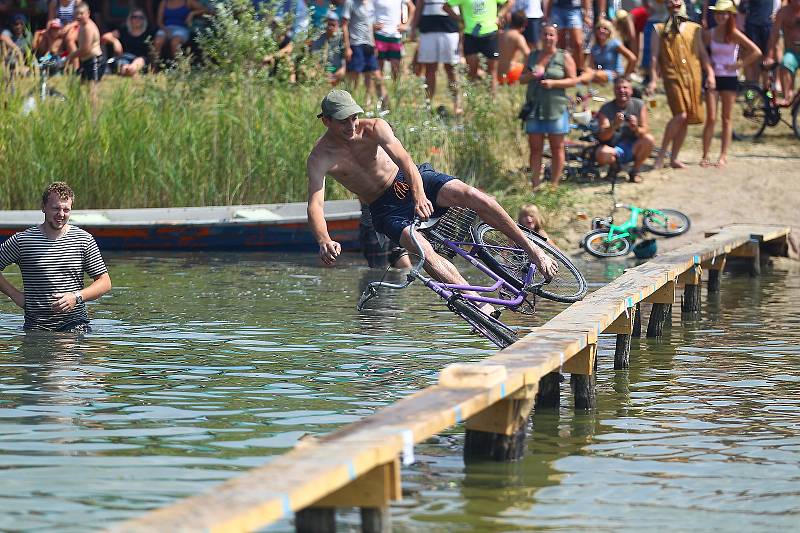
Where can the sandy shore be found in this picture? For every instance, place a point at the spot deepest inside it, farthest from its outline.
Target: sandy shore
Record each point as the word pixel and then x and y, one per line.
pixel 760 184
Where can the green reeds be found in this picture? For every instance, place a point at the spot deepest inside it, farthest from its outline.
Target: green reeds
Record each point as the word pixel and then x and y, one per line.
pixel 205 140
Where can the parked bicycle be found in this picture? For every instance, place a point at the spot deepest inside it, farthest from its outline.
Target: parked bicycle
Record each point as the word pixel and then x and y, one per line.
pixel 757 108
pixel 514 284
pixel 47 65
pixel 611 240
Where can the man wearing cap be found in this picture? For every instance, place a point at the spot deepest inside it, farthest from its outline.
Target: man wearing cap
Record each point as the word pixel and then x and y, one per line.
pixel 365 157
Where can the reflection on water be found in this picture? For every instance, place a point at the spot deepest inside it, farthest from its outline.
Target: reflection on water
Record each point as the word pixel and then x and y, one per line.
pixel 202 366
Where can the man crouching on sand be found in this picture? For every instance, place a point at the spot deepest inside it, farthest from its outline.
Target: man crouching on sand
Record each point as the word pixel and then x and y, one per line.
pixel 367 159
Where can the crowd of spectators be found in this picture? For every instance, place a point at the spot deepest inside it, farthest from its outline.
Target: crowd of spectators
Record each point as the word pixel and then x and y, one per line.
pixel 696 50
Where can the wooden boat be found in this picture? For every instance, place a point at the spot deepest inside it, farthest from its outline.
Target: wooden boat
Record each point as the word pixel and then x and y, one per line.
pixel 279 227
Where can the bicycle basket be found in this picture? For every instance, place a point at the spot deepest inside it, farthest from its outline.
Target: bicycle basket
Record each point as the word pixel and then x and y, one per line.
pixel 453 226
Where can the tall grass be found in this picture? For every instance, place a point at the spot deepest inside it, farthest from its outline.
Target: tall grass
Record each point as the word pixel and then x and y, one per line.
pixel 226 133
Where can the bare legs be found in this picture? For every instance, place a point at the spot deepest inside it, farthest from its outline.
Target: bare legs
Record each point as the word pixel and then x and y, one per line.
pixel 674 135
pixel 728 98
pixel 576 41
pixel 369 78
pixel 458 193
pixel 452 79
pixel 708 127
pixel 536 145
pixel 473 63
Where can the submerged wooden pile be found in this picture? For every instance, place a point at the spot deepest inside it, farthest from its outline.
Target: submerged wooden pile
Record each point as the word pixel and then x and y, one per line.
pixel 359 465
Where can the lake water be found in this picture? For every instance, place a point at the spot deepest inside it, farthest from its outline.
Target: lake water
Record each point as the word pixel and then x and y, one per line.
pixel 204 365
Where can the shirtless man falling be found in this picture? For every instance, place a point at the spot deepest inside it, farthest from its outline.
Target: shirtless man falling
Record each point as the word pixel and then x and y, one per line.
pixel 367 159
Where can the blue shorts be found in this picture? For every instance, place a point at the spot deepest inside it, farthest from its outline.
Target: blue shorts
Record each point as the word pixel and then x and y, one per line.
pixel 559 126
pixel 181 32
pixel 533 32
pixel 791 61
pixel 567 19
pixel 394 210
pixel 363 59
pixel 624 150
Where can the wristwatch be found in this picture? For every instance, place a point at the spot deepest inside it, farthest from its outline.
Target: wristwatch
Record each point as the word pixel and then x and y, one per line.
pixel 78 297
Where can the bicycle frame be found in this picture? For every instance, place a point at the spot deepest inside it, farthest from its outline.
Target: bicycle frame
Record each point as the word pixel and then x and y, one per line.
pixel 626 229
pixel 446 291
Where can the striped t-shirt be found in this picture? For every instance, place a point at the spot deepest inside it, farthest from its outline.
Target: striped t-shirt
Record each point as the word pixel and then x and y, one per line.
pixel 49 266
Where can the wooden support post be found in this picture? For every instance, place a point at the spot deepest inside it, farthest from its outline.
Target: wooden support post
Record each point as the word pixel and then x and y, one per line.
pixel 498 432
pixel 637 321
pixel 372 492
pixel 582 381
pixel 315 520
pixel 715 269
pixel 376 520
pixel 549 394
pixel 622 353
pixel 661 299
pixel 623 326
pixel 655 326
pixel 691 292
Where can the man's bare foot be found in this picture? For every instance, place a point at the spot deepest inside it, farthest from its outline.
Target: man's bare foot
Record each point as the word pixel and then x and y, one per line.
pixel 677 164
pixel 722 161
pixel 705 163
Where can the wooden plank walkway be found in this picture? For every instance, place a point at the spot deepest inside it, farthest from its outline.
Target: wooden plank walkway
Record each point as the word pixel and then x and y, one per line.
pixel 358 465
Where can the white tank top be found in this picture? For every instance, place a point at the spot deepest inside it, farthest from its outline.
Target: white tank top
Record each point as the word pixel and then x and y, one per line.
pixel 723 58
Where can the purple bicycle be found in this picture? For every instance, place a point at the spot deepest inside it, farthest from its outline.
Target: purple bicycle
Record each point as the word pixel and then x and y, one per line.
pixel 515 282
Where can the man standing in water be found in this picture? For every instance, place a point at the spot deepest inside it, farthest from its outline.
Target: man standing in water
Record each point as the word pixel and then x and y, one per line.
pixel 367 159
pixel 53 257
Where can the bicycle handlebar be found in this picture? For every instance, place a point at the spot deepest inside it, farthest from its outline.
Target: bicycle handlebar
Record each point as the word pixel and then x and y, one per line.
pixel 372 289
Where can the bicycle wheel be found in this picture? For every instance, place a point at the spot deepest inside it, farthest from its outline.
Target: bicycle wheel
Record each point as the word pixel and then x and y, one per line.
pixel 596 243
pixel 796 119
pixel 489 327
pixel 669 223
pixel 511 263
pixel 751 112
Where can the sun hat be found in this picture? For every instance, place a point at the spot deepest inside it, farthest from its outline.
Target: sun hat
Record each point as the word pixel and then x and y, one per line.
pixel 621 15
pixel 724 6
pixel 338 105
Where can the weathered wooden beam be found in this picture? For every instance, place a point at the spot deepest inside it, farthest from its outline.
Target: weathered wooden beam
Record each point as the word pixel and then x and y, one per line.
pixel 623 324
pixel 663 295
pixel 752 250
pixel 498 432
pixel 375 488
pixel 637 321
pixel 691 290
pixel 582 362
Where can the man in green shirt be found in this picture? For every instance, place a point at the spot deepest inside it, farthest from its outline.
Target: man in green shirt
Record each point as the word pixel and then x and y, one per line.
pixel 481 20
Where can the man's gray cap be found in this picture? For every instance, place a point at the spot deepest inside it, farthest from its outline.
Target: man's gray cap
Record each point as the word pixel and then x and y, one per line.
pixel 339 105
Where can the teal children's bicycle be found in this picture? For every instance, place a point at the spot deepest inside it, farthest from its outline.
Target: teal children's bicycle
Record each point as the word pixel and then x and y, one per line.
pixel 611 240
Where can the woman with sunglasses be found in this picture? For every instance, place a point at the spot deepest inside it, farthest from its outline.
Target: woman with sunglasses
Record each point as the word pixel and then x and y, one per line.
pixel 133 44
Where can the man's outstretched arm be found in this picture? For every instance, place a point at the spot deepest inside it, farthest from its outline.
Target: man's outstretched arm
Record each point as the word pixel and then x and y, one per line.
pixel 329 249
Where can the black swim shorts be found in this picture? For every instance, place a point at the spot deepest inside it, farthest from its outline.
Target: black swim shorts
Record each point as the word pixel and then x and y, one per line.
pixel 394 210
pixel 93 68
pixel 485 44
